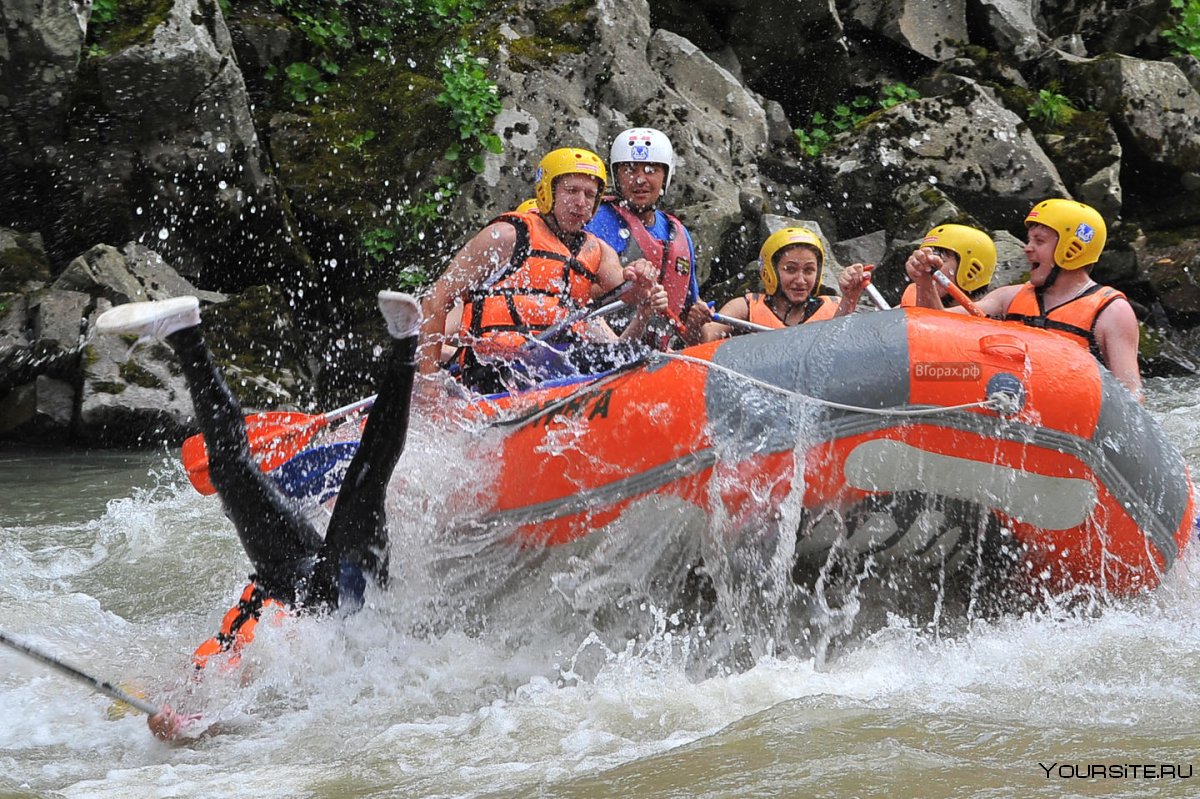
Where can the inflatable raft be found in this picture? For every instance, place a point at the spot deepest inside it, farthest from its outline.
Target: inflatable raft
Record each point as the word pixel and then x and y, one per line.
pixel 858 431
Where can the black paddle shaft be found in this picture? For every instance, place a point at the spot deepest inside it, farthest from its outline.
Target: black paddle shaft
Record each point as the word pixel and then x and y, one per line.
pixel 67 670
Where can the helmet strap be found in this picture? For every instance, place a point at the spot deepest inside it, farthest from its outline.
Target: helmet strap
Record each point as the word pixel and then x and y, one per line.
pixel 1053 276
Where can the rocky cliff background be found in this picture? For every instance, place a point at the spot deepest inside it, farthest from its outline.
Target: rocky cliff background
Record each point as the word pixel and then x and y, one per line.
pixel 285 159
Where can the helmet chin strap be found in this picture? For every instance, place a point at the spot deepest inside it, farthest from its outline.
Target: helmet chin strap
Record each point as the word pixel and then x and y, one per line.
pixel 1053 276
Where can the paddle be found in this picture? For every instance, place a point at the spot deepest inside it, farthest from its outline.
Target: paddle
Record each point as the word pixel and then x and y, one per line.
pixel 603 305
pixel 877 298
pixel 99 686
pixel 575 317
pixel 958 294
pixel 275 437
pixel 732 321
pixel 315 475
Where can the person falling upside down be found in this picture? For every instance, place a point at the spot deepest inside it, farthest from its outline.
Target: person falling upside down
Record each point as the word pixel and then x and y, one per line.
pixel 1065 239
pixel 293 567
pixel 790 263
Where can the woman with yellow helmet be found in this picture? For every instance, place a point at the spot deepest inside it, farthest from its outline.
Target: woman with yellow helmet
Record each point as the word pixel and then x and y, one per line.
pixel 525 273
pixel 968 258
pixel 1064 241
pixel 791 262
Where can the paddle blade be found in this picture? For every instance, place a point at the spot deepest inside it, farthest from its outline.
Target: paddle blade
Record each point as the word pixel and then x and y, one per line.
pixel 315 475
pixel 274 437
pixel 195 460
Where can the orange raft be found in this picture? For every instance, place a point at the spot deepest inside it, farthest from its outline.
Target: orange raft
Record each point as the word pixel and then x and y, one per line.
pixel 852 419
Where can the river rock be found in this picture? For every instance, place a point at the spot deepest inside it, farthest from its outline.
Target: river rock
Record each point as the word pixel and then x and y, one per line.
pixel 1153 107
pixel 23 261
pixel 927 28
pixel 40 46
pixel 966 144
pixel 131 274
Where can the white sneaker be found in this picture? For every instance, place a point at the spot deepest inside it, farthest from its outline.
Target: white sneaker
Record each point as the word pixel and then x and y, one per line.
pixel 147 320
pixel 401 312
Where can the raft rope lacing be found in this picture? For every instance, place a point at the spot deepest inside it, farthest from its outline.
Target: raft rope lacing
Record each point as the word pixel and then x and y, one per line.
pixel 1001 403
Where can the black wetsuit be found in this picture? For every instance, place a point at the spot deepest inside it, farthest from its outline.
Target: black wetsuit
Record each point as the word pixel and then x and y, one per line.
pixel 291 561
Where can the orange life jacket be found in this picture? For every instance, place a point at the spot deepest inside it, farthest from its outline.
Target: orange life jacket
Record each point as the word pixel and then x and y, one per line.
pixel 1075 318
pixel 541 284
pixel 909 298
pixel 816 309
pixel 237 627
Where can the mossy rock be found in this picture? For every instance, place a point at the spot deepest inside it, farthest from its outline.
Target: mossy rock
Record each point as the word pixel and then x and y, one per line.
pixel 132 372
pixel 108 386
pixel 1081 147
pixel 22 264
pixel 1150 342
pixel 531 53
pixel 133 23
pixel 254 336
pixel 343 160
pixel 564 30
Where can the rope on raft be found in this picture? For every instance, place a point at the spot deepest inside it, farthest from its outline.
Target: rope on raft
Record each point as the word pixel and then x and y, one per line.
pixel 996 403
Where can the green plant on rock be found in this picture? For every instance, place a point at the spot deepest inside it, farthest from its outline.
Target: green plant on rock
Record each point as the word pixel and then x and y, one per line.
pixel 472 100
pixel 345 34
pixel 415 220
pixel 355 143
pixel 103 12
pixel 304 81
pixel 117 24
pixel 321 23
pixel 1185 35
pixel 1052 109
pixel 844 116
pixel 444 13
pixel 895 94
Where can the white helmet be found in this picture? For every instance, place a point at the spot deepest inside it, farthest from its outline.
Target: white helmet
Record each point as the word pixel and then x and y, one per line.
pixel 646 146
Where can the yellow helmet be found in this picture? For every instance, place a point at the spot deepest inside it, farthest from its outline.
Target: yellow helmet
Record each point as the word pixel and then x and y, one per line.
pixel 1080 228
pixel 975 250
pixel 777 241
pixel 528 205
pixel 566 161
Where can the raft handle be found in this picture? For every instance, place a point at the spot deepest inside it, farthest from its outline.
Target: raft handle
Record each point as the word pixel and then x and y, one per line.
pixel 1004 345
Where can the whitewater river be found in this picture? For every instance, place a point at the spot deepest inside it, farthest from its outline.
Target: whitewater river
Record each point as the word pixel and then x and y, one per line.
pixel 112 562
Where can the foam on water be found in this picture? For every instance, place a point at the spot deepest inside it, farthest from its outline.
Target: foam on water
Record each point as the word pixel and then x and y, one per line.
pixel 439 689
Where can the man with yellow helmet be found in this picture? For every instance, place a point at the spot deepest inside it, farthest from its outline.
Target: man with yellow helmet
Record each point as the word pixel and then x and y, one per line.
pixel 633 224
pixel 968 258
pixel 526 272
pixel 791 262
pixel 1064 240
